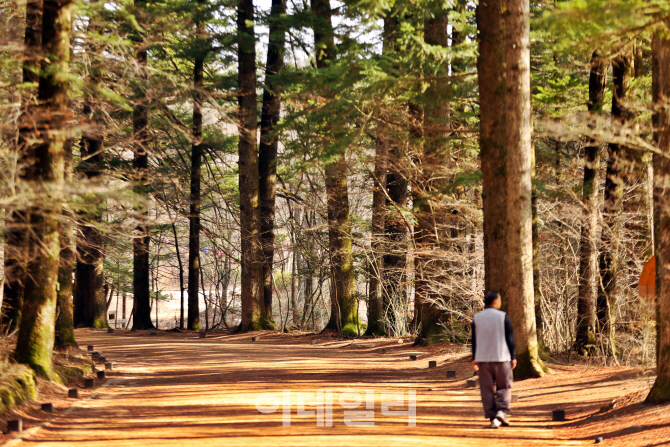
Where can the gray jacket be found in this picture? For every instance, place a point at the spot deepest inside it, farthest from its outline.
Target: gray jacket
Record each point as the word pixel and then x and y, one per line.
pixel 492 336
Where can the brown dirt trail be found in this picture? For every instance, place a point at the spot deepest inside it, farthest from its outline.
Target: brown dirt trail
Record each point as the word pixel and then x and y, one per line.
pixel 179 390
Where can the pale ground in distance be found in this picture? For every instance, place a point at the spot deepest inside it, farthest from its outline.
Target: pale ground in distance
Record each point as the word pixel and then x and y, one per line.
pixel 169 311
pixel 179 390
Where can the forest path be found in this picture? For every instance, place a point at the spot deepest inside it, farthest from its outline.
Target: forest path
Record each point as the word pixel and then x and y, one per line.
pixel 177 390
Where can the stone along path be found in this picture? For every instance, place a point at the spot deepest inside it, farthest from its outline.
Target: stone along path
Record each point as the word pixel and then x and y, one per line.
pixel 180 390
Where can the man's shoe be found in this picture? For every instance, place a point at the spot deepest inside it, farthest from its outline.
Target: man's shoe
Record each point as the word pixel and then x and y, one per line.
pixel 495 423
pixel 502 418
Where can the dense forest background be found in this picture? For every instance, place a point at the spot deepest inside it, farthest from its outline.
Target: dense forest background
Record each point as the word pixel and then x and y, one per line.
pixel 366 167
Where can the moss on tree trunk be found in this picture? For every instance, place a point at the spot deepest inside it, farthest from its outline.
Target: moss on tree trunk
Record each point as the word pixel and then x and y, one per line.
pixel 344 304
pixel 19 385
pixel 44 173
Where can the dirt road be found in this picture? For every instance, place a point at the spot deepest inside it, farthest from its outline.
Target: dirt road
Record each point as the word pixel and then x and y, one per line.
pixel 179 390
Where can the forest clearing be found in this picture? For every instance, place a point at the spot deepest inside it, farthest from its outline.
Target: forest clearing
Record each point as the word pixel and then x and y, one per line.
pixel 177 389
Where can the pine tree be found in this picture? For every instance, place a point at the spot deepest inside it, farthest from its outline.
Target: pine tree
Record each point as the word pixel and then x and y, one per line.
pixel 16 222
pixel 141 280
pixel 622 68
pixel 89 295
pixel 44 172
pixel 588 260
pixel 267 149
pixel 505 137
pixel 343 316
pixel 430 233
pixel 64 329
pixel 196 162
pixel 252 254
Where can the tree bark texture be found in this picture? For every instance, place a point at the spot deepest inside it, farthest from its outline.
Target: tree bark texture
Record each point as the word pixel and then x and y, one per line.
pixel 64 329
pixel 65 336
pixel 16 223
pixel 193 322
pixel 376 318
pixel 394 273
pixel 344 309
pixel 44 173
pixel 588 258
pixel 505 139
pixel 376 300
pixel 90 294
pixel 432 230
pixel 141 280
pixel 622 68
pixel 267 150
pixel 253 308
pixel 660 391
pixel 537 285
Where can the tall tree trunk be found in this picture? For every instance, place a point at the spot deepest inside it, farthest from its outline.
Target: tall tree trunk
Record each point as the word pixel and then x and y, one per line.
pixel 376 308
pixel 660 47
pixel 65 336
pixel 44 173
pixel 430 233
pixel 196 162
pixel 588 258
pixel 395 241
pixel 505 139
pixel 267 150
pixel 250 225
pixel 614 182
pixel 343 316
pixel 16 221
pixel 141 274
pixel 416 115
pixel 90 293
pixel 376 319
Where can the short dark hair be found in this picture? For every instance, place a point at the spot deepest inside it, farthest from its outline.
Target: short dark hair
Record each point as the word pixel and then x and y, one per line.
pixel 490 297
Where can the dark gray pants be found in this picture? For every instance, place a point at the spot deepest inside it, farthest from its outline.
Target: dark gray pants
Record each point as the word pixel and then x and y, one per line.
pixel 495 384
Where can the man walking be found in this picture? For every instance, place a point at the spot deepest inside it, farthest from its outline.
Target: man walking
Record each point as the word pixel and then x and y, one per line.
pixel 494 357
